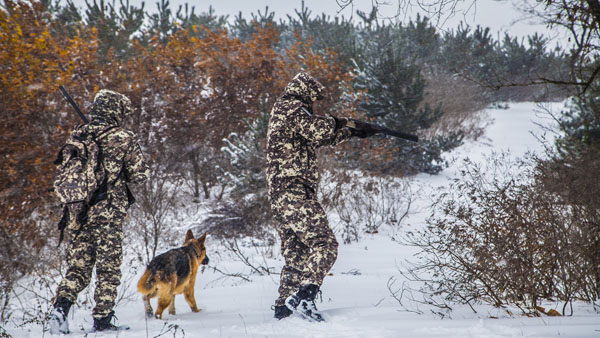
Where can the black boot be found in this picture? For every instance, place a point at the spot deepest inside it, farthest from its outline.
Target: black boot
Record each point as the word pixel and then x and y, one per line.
pixel 281 311
pixel 58 318
pixel 105 323
pixel 303 302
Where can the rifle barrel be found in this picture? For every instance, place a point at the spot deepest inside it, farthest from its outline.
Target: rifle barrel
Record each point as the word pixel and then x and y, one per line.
pixel 75 106
pixel 395 133
pixel 387 131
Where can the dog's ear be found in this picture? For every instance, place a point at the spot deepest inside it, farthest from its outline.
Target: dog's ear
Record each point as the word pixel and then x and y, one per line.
pixel 189 235
pixel 202 238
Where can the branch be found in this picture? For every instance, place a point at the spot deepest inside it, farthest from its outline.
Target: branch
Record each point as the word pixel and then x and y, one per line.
pixel 260 270
pixel 591 79
pixel 237 274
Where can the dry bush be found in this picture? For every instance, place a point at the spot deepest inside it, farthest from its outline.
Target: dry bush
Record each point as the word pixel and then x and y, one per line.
pixel 574 180
pixel 17 294
pixel 461 100
pixel 363 204
pixel 151 218
pixel 231 219
pixel 497 235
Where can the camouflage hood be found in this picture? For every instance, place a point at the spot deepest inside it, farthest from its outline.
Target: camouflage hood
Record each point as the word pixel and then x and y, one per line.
pixel 111 107
pixel 305 87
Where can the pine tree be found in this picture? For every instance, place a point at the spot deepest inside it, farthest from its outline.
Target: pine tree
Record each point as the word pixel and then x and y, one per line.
pixel 162 23
pixel 245 29
pixel 186 18
pixel 395 89
pixel 115 26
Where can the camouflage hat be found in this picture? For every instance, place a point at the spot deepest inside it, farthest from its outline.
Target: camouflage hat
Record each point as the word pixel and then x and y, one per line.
pixel 111 106
pixel 306 87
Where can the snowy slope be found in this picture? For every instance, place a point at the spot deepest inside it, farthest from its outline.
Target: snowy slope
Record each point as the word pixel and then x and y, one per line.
pixel 356 299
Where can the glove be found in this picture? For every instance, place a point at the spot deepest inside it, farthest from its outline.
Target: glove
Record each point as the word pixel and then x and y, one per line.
pixel 362 130
pixel 340 122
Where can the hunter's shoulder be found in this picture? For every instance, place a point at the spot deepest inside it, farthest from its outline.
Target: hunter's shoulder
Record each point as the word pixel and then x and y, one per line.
pixel 123 133
pixel 288 106
pixel 119 135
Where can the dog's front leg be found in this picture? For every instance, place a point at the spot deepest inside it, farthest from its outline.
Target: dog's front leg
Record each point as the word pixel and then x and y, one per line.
pixel 172 306
pixel 147 306
pixel 188 293
pixel 163 302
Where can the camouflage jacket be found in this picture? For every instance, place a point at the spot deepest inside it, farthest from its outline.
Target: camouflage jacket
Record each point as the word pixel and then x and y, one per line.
pixel 294 134
pixel 121 154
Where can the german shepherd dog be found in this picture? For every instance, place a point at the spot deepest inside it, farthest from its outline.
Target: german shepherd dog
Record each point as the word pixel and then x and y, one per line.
pixel 172 273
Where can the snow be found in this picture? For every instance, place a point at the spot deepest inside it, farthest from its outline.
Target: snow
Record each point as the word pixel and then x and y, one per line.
pixel 356 299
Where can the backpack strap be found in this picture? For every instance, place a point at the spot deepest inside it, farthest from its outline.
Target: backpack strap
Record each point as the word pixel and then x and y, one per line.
pixel 63 224
pixel 101 193
pixel 104 132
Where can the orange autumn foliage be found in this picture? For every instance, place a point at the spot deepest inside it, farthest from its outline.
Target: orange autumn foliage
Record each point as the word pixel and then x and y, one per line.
pixel 29 67
pixel 196 89
pixel 215 82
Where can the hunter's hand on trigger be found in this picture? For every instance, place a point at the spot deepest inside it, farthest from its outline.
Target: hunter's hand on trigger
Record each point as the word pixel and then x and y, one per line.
pixel 340 122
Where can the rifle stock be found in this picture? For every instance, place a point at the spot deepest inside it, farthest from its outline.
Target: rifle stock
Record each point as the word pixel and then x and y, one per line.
pixel 387 131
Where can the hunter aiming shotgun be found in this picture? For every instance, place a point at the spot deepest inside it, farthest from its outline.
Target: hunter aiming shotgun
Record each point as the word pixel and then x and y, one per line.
pixel 385 131
pixel 352 123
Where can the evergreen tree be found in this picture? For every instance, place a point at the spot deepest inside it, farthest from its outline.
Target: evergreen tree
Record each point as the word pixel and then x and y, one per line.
pixel 338 35
pixel 395 89
pixel 469 52
pixel 246 156
pixel 422 39
pixel 66 19
pixel 580 125
pixel 244 29
pixel 186 18
pixel 115 26
pixel 162 24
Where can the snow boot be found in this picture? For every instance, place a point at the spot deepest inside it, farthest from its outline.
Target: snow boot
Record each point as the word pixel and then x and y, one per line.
pixel 303 303
pixel 281 311
pixel 58 318
pixel 105 324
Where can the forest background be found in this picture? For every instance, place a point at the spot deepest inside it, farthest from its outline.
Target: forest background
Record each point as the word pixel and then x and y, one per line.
pixel 202 86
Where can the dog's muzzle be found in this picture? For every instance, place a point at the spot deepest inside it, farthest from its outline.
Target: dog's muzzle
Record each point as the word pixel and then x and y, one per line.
pixel 205 260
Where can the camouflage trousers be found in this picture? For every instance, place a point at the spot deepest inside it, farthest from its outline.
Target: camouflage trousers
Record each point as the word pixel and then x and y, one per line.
pixel 307 242
pixel 98 243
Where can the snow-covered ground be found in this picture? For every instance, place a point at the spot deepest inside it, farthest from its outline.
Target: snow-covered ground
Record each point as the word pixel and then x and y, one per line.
pixel 356 299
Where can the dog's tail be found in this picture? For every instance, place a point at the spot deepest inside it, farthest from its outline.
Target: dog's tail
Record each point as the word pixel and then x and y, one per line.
pixel 146 283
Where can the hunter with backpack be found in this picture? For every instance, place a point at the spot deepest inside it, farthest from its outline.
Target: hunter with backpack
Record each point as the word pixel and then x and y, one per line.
pixel 93 168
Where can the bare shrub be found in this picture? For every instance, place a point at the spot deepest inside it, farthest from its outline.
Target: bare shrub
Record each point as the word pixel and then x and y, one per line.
pixel 28 298
pixel 259 268
pixel 245 210
pixel 498 236
pixel 155 209
pixel 574 180
pixel 23 254
pixel 201 168
pixel 363 204
pixel 238 218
